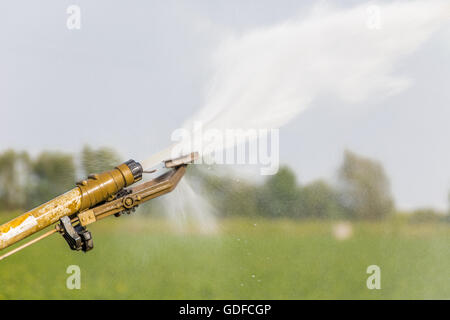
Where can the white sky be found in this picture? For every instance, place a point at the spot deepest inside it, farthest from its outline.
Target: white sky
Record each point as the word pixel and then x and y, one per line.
pixel 136 70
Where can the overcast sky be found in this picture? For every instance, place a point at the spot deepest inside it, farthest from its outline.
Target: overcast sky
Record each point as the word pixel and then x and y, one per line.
pixel 137 69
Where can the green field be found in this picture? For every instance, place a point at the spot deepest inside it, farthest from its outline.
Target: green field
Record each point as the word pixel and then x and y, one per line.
pixel 143 258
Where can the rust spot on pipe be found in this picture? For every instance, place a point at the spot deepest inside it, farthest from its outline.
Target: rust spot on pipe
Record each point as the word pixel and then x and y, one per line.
pixel 39 218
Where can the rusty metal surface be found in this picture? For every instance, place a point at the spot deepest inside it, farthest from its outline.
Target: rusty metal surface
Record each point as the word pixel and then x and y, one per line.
pixel 86 217
pixel 40 217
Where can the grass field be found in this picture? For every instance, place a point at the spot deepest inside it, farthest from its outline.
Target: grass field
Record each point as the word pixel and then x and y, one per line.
pixel 142 258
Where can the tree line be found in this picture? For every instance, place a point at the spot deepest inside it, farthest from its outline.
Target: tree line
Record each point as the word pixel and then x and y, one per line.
pixel 26 182
pixel 362 191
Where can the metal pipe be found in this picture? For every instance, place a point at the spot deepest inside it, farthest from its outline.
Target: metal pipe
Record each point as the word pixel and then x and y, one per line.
pixel 88 193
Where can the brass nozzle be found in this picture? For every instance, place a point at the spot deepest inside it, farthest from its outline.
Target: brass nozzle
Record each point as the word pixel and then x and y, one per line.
pixel 99 187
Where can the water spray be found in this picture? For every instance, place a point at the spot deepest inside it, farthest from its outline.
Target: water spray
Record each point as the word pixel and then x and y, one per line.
pixel 95 198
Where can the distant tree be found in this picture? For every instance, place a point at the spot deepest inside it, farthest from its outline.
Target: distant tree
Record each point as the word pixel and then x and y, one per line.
pixel 365 188
pixel 241 200
pixel 98 160
pixel 279 196
pixel 230 195
pixel 425 215
pixel 53 173
pixel 320 201
pixel 14 170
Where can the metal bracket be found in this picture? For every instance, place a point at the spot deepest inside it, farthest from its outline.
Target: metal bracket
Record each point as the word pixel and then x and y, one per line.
pixel 77 237
pixel 86 217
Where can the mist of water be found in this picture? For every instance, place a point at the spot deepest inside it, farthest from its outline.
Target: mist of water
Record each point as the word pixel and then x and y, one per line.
pixel 265 77
pixel 186 206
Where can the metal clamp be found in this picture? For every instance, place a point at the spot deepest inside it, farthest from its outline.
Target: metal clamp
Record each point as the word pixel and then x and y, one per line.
pixel 77 237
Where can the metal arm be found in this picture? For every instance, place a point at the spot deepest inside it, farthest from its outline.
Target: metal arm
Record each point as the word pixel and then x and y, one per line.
pixel 73 228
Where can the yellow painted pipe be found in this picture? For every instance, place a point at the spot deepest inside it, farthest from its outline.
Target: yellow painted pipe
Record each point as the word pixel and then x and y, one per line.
pixel 88 193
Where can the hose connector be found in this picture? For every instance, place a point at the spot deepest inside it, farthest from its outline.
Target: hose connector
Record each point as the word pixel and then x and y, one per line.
pixel 98 188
